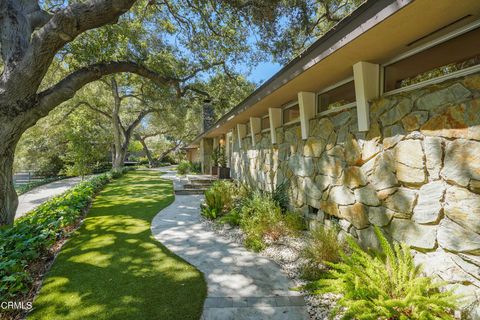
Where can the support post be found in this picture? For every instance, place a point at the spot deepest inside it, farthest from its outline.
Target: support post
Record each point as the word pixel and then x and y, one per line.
pixel 306 103
pixel 255 127
pixel 275 117
pixel 367 86
pixel 241 133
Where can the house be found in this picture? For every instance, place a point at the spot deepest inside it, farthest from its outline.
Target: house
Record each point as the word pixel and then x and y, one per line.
pixel 377 123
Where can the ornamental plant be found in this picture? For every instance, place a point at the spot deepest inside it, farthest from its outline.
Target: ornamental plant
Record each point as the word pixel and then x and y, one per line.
pixel 33 235
pixel 386 286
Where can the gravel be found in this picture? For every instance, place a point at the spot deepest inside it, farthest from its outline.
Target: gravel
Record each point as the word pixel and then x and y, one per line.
pixel 286 252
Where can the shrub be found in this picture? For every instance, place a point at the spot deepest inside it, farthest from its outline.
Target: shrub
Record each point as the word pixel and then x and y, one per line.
pixel 218 199
pixel 384 286
pixel 232 218
pixel 262 218
pixel 196 167
pixel 323 246
pixel 278 195
pixel 184 167
pixel 32 235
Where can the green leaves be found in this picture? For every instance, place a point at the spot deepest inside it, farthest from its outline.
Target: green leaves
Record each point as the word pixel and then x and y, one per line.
pixel 33 235
pixel 384 286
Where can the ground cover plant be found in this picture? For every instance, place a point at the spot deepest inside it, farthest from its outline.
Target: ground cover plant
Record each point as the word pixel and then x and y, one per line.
pixel 113 268
pixel 384 286
pixel 260 214
pixel 185 167
pixel 219 199
pixel 33 235
pixel 324 245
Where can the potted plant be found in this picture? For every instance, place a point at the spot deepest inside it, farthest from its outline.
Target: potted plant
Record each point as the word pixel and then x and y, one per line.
pixel 223 171
pixel 215 161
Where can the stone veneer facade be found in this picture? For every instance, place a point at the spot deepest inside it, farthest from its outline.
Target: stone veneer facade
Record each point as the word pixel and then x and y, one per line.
pixel 415 174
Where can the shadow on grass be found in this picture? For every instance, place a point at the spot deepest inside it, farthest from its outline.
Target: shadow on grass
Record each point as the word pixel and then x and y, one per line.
pixel 113 268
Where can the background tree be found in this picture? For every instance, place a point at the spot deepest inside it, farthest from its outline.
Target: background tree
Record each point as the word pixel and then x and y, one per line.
pixel 198 34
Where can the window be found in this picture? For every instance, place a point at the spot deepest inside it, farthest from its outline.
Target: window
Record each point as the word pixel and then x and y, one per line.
pixel 336 97
pixel 291 113
pixel 265 122
pixel 453 55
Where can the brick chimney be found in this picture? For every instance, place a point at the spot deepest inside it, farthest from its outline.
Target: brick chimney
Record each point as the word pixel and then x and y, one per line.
pixel 208 115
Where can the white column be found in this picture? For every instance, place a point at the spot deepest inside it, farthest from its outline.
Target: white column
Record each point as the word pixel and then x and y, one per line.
pixel 241 133
pixel 275 117
pixel 228 147
pixel 306 104
pixel 255 127
pixel 367 86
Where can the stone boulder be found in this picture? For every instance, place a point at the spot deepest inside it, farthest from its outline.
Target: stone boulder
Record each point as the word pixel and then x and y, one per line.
pixel 367 195
pixel 342 195
pixel 429 205
pixel 356 214
pixel 409 162
pixel 414 235
pixel 383 176
pixel 463 207
pixel 462 161
pixel 451 94
pixel 401 202
pixel 301 166
pixel 380 216
pixel 455 238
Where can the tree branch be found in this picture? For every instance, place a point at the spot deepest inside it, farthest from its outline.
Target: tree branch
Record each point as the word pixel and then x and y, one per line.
pixel 66 88
pixel 34 52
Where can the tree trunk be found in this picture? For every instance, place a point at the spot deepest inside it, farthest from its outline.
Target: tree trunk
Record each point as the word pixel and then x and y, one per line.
pixel 10 133
pixel 120 154
pixel 151 161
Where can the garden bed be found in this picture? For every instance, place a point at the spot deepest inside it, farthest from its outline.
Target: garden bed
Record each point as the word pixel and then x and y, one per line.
pixel 29 247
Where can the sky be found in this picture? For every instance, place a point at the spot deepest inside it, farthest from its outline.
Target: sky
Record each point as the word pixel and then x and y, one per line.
pixel 263 71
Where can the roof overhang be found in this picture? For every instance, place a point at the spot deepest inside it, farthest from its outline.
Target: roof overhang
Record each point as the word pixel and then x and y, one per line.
pixel 375 32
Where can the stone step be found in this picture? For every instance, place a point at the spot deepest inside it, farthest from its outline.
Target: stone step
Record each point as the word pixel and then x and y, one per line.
pixel 201 182
pixel 196 186
pixel 189 191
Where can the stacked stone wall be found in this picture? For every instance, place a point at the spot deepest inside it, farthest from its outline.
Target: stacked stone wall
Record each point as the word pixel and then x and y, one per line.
pixel 415 174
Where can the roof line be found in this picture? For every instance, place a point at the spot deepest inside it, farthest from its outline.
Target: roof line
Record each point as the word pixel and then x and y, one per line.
pixel 347 25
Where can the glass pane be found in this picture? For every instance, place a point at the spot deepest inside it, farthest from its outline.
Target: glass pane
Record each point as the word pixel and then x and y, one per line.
pixel 291 114
pixel 337 97
pixel 453 55
pixel 265 123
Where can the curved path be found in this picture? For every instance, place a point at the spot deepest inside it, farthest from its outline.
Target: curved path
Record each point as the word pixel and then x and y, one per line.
pixel 35 197
pixel 241 284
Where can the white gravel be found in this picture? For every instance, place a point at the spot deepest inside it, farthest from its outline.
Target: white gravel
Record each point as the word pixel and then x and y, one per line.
pixel 286 253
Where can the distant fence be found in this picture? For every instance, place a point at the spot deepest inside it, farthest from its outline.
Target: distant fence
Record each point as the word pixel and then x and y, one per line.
pixel 26 177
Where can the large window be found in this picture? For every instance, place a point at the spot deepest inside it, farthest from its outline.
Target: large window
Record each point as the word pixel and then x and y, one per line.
pixel 336 97
pixel 265 122
pixel 451 56
pixel 291 113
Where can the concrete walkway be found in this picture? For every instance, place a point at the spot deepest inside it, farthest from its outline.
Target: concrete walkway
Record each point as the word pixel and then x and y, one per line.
pixel 241 284
pixel 35 197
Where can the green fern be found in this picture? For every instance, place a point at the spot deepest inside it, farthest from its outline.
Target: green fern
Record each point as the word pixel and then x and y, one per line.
pixel 384 286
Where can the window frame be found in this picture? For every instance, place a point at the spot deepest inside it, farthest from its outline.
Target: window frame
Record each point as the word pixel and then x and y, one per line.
pixel 266 129
pixel 330 88
pixel 289 106
pixel 428 45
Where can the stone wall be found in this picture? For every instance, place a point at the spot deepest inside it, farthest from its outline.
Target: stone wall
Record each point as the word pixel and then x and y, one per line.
pixel 415 173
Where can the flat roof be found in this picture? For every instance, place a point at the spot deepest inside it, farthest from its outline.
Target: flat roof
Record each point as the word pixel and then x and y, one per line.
pixel 376 31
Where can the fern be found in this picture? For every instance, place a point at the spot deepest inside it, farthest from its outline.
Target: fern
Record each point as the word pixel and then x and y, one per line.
pixel 384 286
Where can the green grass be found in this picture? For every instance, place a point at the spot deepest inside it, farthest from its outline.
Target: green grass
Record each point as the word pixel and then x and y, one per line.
pixel 113 268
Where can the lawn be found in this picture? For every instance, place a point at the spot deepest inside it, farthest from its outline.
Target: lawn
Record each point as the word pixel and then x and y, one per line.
pixel 113 268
